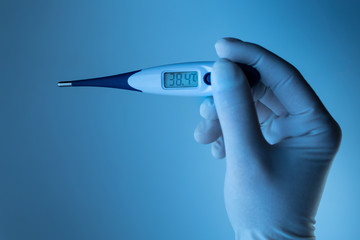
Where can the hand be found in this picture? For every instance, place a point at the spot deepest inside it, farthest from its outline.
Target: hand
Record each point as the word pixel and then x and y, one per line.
pixel 278 139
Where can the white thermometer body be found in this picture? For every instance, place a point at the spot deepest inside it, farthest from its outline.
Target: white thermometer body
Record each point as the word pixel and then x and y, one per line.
pixel 181 79
pixel 185 79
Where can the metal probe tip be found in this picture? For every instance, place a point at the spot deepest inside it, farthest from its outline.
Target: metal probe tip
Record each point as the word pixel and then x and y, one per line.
pixel 64 84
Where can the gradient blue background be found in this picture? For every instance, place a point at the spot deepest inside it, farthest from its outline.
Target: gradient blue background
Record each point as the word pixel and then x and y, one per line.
pixel 92 163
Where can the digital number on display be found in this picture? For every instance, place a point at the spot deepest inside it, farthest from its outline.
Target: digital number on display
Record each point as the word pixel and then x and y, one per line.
pixel 180 79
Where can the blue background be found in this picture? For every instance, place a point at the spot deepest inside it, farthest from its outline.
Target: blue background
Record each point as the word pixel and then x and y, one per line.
pixel 97 163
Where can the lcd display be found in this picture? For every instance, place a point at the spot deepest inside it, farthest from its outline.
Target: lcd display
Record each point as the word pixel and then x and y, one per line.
pixel 180 79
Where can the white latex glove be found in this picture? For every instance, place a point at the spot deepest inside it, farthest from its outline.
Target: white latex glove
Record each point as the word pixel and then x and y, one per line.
pixel 279 142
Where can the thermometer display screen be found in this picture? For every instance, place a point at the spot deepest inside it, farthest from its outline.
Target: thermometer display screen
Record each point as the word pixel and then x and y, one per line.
pixel 180 79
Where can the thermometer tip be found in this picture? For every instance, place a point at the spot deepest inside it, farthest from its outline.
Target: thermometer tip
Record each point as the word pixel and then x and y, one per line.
pixel 64 84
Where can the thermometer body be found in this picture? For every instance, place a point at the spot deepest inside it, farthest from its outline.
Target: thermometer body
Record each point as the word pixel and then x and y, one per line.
pixel 181 79
pixel 186 79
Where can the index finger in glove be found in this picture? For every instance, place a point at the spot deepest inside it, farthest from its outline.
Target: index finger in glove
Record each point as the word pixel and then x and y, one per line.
pixel 285 81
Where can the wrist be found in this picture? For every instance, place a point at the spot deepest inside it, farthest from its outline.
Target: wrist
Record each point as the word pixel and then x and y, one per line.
pixel 273 234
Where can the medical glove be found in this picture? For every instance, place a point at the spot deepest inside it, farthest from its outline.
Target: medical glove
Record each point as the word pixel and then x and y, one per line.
pixel 278 139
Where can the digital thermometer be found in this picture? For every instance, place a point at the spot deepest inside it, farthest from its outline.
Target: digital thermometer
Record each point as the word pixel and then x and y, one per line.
pixel 181 79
